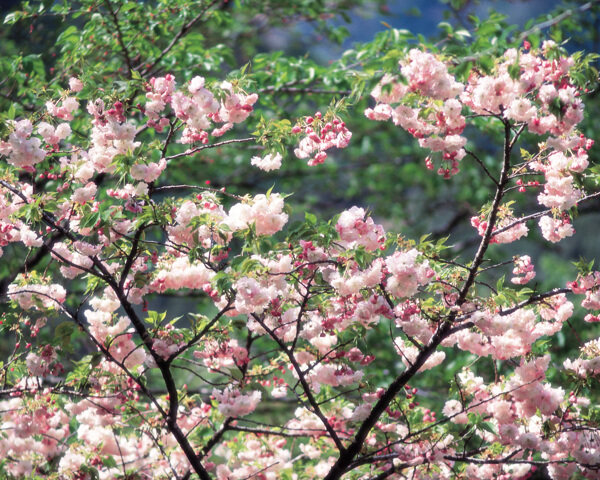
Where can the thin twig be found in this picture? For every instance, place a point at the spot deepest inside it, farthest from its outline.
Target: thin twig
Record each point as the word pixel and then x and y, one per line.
pixel 212 145
pixel 480 162
pixel 197 187
pixel 556 20
pixel 124 50
pixel 309 90
pixel 184 30
pixel 539 214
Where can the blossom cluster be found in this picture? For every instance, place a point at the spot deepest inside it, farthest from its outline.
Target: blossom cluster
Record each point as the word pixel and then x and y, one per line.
pixel 198 109
pixel 428 107
pixel 524 270
pixel 538 95
pixel 321 134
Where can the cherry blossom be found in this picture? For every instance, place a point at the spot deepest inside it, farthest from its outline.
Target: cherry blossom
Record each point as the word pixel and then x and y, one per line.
pixel 268 162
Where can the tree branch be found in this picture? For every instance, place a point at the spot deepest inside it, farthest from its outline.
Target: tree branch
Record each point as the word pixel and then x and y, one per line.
pixel 556 20
pixel 124 50
pixel 305 386
pixel 212 145
pixel 184 30
pixel 345 459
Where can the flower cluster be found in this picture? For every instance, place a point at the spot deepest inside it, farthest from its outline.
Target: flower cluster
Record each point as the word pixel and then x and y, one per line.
pixel 111 135
pixel 198 109
pixel 555 229
pixel 268 162
pixel 407 273
pixel 21 150
pixel 264 212
pixel 321 134
pixel 511 229
pixel 233 403
pixel 559 191
pixel 524 270
pixel 355 231
pixel 428 107
pixel 36 295
pixel 538 94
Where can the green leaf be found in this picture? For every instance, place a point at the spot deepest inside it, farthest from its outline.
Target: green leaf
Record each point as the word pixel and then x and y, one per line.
pixel 222 281
pixel 89 221
pixel 62 335
pixel 69 35
pixel 13 17
pixel 248 265
pixel 155 318
pixel 310 218
pixel 514 70
pixel 488 427
pixel 91 471
pixel 64 329
pixel 10 114
pixel 500 283
pixel 109 462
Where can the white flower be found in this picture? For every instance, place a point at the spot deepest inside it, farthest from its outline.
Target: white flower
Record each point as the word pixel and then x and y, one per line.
pixel 268 162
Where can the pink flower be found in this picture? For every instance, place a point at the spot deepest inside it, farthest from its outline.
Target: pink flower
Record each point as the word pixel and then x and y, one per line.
pixel 252 297
pixel 428 76
pixel 490 94
pixel 554 230
pixel 22 151
pixel 51 135
pixel 71 462
pixel 219 132
pixel 520 110
pixel 333 375
pixel 409 353
pixel 454 409
pixel 28 237
pixel 523 266
pixel 159 96
pixel 236 107
pixel 320 136
pixel 32 295
pixel 381 112
pixel 591 301
pixel 508 236
pixel 75 85
pixel 148 173
pixel 356 230
pixel 265 212
pixel 64 111
pixel 406 273
pixel 84 194
pixel 222 355
pixel 437 129
pixel 182 274
pixel 41 365
pixel 232 403
pixel 165 347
